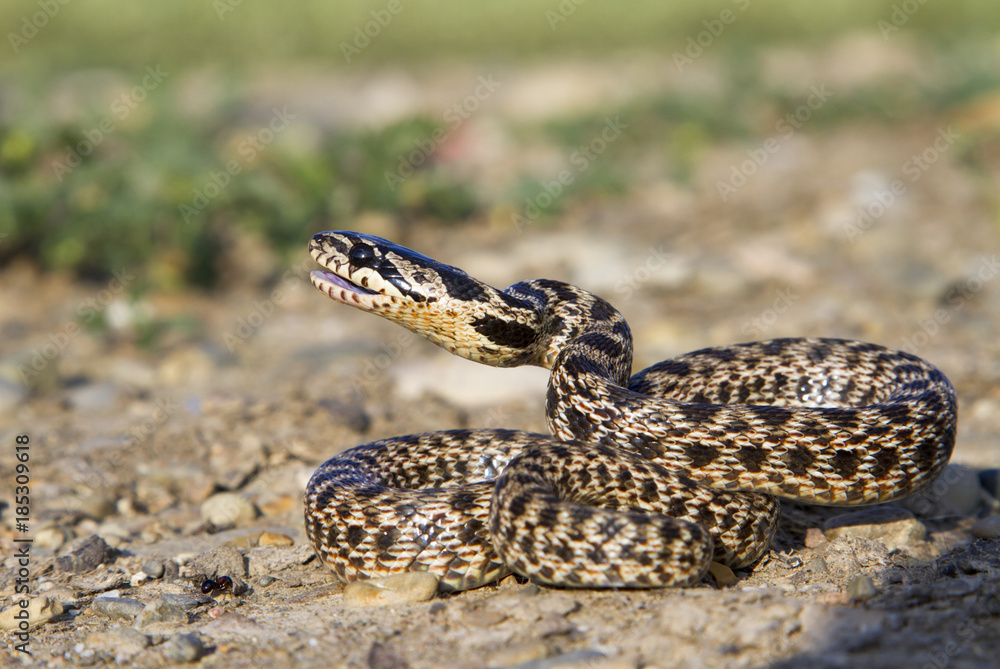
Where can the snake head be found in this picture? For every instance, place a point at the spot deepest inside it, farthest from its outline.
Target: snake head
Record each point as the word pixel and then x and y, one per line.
pixel 368 272
pixel 438 301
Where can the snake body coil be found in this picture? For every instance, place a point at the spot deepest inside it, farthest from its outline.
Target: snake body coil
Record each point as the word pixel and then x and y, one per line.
pixel 647 478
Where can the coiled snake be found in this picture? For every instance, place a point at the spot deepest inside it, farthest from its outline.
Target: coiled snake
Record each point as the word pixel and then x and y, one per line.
pixel 647 478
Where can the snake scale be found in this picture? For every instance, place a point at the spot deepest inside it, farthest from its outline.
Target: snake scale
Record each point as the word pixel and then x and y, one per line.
pixel 645 479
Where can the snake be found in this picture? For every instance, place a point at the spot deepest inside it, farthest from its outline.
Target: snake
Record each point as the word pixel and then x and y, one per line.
pixel 645 479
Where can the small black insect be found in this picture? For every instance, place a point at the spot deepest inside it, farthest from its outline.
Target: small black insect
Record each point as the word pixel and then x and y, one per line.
pixel 221 584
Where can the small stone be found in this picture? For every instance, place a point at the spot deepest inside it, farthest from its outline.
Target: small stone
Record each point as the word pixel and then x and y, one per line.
pixel 161 611
pixel 409 587
pixel 153 568
pixel 40 610
pixel 223 561
pixel 265 581
pixel 100 583
pixel 117 608
pixel 273 539
pixel 63 594
pixel 724 576
pixel 861 589
pixel 815 537
pixel 184 648
pixel 184 601
pixel 52 537
pixel 987 528
pixel 896 528
pixel 227 510
pixel 86 554
pixel 122 641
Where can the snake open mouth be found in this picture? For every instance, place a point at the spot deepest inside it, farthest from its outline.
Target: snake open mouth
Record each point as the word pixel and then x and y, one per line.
pixel 345 291
pixel 321 278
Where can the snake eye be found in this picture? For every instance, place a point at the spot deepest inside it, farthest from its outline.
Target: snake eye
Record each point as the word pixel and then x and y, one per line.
pixel 362 255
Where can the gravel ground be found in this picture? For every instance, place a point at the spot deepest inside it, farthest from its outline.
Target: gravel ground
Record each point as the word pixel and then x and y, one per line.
pixel 151 472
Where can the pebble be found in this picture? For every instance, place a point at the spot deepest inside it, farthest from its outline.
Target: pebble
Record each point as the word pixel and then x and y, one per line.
pixel 418 586
pixel 99 583
pixel 896 528
pixel 184 648
pixel 815 537
pixel 153 568
pixel 52 537
pixel 724 576
pixel 64 594
pixel 161 611
pixel 226 510
pixel 225 560
pixel 40 610
pixel 184 601
pixel 861 589
pixel 117 608
pixel 86 554
pixel 273 539
pixel 121 641
pixel 987 528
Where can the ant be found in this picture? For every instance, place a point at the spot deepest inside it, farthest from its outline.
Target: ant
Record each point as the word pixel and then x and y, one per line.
pixel 219 585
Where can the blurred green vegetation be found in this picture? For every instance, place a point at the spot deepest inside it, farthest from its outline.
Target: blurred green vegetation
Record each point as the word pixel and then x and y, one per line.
pixel 243 34
pixel 154 191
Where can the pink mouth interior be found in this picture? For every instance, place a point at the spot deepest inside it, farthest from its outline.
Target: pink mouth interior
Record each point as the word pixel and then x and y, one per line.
pixel 343 283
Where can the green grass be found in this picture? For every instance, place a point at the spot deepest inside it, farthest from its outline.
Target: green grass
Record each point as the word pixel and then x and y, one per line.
pixel 186 33
pixel 145 197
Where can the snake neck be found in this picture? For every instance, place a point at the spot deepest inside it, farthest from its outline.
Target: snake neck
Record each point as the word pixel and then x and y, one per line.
pixel 577 331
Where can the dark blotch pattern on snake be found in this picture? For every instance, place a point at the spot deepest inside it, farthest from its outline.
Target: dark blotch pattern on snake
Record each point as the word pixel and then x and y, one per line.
pixel 646 478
